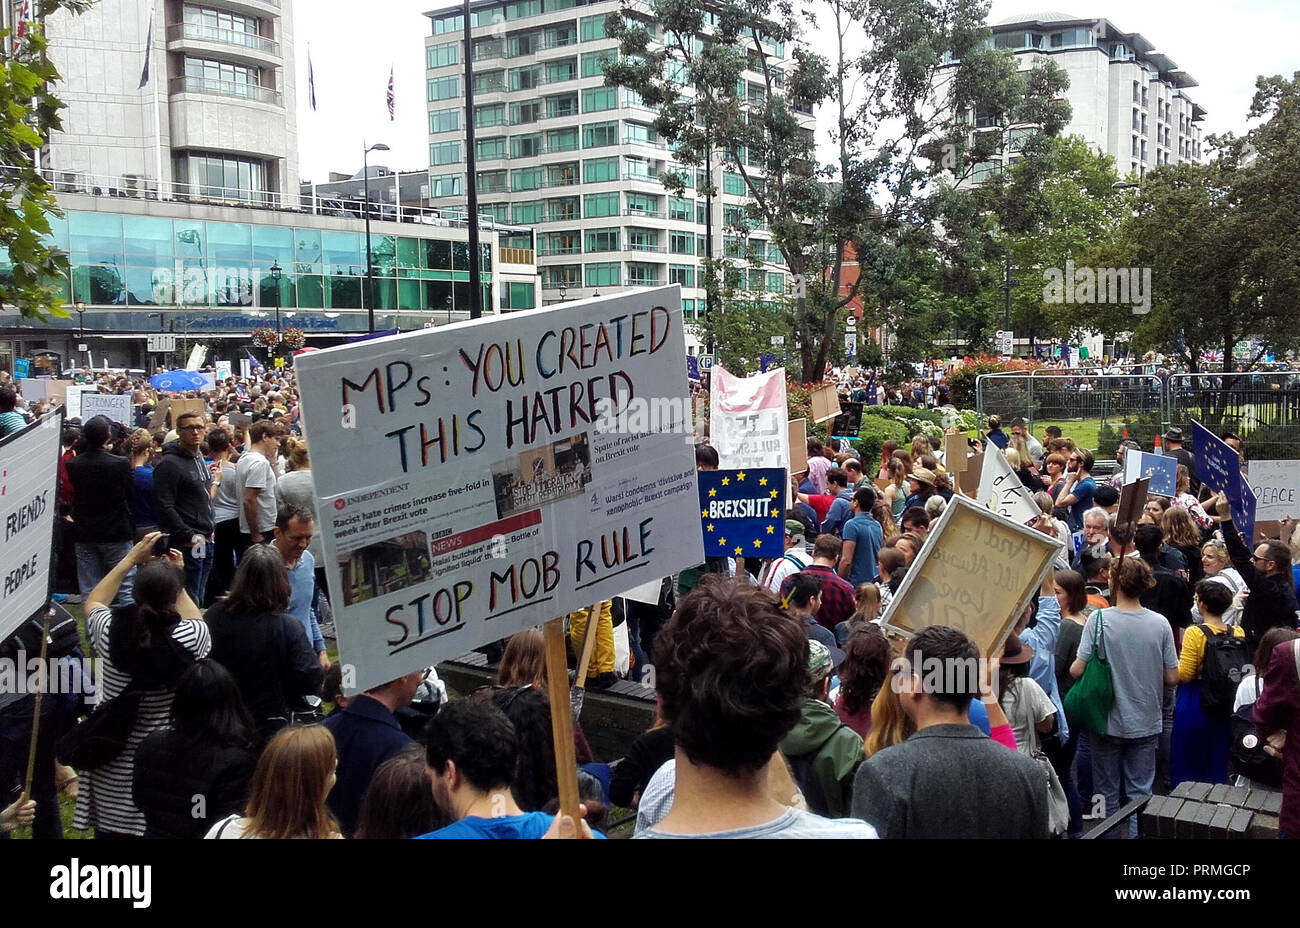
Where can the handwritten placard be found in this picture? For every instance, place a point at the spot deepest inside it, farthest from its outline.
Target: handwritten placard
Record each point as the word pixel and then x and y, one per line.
pixel 1277 489
pixel 116 408
pixel 976 572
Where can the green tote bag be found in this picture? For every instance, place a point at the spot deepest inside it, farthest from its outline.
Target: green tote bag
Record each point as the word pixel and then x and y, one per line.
pixel 1089 701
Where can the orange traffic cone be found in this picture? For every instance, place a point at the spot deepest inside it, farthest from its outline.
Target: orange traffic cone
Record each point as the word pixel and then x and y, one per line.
pixel 1126 433
pixel 1159 448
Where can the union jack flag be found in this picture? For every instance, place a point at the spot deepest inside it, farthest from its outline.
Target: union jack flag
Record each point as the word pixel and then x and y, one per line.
pixel 1212 356
pixel 24 18
pixel 390 95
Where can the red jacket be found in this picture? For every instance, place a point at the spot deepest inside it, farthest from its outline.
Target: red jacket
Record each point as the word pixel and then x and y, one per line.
pixel 1278 709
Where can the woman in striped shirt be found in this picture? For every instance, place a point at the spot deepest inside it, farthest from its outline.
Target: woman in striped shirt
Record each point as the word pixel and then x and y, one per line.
pixel 148 643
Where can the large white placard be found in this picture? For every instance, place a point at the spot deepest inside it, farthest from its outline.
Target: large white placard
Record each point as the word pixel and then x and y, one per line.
pixel 749 422
pixel 1001 490
pixel 1277 489
pixel 477 478
pixel 117 408
pixel 29 478
pixel 223 370
pixel 72 401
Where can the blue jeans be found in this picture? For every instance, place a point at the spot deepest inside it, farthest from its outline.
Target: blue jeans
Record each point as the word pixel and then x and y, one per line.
pixel 198 569
pixel 95 560
pixel 1124 769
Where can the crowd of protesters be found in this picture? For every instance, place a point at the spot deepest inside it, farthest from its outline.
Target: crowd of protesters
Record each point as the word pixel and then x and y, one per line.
pixel 784 708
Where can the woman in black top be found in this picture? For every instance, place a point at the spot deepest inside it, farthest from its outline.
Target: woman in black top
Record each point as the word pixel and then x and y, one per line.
pixel 197 771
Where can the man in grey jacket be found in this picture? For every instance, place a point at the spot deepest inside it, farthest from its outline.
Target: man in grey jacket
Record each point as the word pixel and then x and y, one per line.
pixel 948 780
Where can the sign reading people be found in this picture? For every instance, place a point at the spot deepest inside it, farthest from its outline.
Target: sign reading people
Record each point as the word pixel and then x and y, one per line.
pixel 29 478
pixel 749 419
pixel 1219 467
pixel 481 477
pixel 976 572
pixel 1160 470
pixel 742 512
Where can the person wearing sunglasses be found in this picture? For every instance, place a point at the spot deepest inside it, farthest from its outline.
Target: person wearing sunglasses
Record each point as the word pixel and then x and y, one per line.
pixel 182 493
pixel 1267 572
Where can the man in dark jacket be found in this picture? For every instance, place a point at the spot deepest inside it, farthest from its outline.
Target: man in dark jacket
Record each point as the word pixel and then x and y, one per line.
pixel 1267 572
pixel 948 780
pixel 102 486
pixel 182 501
pixel 367 733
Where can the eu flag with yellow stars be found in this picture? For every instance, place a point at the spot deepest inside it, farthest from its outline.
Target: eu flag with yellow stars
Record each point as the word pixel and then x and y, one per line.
pixel 742 512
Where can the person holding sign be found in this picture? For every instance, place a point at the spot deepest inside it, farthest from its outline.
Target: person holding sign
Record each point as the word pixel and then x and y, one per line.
pixel 1267 572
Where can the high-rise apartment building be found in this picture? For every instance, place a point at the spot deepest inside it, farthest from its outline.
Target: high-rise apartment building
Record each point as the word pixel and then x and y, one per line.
pixel 558 150
pixel 217 118
pixel 1127 99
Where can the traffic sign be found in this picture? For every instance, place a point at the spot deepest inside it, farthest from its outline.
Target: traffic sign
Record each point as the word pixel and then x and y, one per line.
pixel 778 339
pixel 1005 341
pixel 162 343
pixel 706 361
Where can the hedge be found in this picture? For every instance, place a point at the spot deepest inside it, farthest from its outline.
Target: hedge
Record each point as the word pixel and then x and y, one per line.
pixel 904 412
pixel 876 430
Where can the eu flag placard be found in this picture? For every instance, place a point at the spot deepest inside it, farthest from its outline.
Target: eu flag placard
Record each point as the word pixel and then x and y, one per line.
pixel 742 512
pixel 1219 467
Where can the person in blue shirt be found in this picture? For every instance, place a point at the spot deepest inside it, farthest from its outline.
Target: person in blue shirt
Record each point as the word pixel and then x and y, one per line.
pixel 293 533
pixel 863 536
pixel 471 754
pixel 841 508
pixel 1076 495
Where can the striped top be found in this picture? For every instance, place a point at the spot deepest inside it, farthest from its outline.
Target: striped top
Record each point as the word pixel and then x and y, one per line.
pixel 104 798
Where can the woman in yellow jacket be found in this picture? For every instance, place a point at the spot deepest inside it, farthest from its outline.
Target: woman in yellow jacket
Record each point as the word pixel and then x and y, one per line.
pixel 1201 739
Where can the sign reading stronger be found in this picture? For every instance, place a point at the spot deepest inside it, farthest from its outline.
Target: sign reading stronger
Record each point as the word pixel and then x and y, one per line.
pixel 29 476
pixel 481 477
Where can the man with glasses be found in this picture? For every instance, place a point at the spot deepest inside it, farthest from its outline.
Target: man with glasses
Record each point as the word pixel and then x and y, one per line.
pixel 182 499
pixel 1267 572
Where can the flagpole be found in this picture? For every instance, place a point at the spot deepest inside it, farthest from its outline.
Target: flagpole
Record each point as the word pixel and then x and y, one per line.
pixel 157 112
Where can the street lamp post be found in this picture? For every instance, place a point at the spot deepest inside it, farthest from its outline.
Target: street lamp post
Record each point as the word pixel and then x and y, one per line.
pixel 81 323
pixel 370 265
pixel 276 271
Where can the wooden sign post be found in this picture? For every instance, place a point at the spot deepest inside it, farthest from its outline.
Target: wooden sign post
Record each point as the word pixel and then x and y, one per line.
pixel 1132 497
pixel 557 686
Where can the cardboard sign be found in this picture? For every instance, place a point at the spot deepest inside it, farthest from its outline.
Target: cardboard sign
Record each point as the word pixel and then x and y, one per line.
pixel 1276 485
pixel 1266 530
pixel 954 452
pixel 825 404
pixel 29 472
pixel 749 422
pixel 1132 499
pixel 1161 471
pixel 968 481
pixel 178 407
pixel 116 408
pixel 56 391
pixel 849 422
pixel 976 572
pixel 72 401
pixel 742 512
pixel 1001 490
pixel 158 416
pixel 798 430
pixel 477 478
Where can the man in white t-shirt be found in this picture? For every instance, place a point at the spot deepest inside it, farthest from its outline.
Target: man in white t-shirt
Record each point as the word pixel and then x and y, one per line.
pixel 255 481
pixel 794 560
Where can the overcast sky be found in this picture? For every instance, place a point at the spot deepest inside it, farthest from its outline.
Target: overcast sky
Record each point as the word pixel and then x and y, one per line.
pixel 353 46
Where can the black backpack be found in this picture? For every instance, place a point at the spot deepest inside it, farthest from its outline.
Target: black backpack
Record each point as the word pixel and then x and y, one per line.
pixel 1221 671
pixel 1248 756
pixel 64 637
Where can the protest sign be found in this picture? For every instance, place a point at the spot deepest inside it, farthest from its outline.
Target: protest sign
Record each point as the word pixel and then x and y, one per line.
pixel 849 422
pixel 209 382
pixel 56 391
pixel 1219 467
pixel 1162 472
pixel 32 388
pixel 968 480
pixel 481 477
pixel 749 420
pixel 742 512
pixel 116 408
pixel 245 368
pixel 976 572
pixel 72 401
pixel 223 370
pixel 1267 530
pixel 1001 490
pixel 954 452
pixel 1276 485
pixel 1243 511
pixel 158 416
pixel 1132 499
pixel 179 407
pixel 825 403
pixel 22 367
pixel 29 477
pixel 798 445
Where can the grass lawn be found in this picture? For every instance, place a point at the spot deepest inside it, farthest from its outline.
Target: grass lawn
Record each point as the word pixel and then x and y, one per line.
pixel 1084 432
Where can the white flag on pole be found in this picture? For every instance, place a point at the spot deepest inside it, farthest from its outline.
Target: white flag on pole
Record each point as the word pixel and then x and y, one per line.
pixel 1002 491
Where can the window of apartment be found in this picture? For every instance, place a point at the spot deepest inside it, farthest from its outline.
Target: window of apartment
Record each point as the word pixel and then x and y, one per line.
pixel 642 203
pixel 444 153
pixel 564 174
pixel 518 295
pixel 640 134
pixel 638 168
pixel 680 208
pixel 563 275
pixel 223 77
pixel 593 63
pixel 701 212
pixel 553 6
pixel 562 105
pixel 733 247
pixel 599 134
pixel 681 243
pixel 221 175
pixel 595 99
pixel 439 56
pixel 1135 146
pixel 563 209
pixel 444 120
pixel 526 179
pixel 688 312
pixel 733 183
pixel 521 113
pixel 1137 118
pixel 445 185
pixel 734 216
pixel 604 274
pixel 683 274
pixel 522 43
pixel 560 36
pixel 522 9
pixel 487 48
pixel 775 282
pixel 448 24
pixel 494 114
pixel 1137 92
pixel 592 27
pixel 526 146
pixel 490 148
pixel 526 212
pixel 221 19
pixel 562 139
pixel 565 69
pixel 642 275
pixel 498 211
pixel 444 88
pixel 601 240
pixel 598 170
pixel 493 181
pixel 529 78
pixel 595 205
pixel 774 255
pixel 489 81
pixel 642 239
pixel 559 243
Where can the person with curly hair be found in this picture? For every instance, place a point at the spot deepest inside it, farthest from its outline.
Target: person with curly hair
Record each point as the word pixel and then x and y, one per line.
pixel 866 665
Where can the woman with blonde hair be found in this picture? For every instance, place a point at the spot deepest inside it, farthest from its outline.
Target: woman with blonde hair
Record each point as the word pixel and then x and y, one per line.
pixel 287 797
pixel 524 660
pixel 920 447
pixel 880 512
pixel 895 492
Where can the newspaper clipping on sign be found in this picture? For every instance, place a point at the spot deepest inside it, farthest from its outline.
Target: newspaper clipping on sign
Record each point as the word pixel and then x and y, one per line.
pixel 478 478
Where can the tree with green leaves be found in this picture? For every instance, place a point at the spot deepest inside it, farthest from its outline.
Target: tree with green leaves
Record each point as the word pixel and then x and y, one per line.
pixel 29 112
